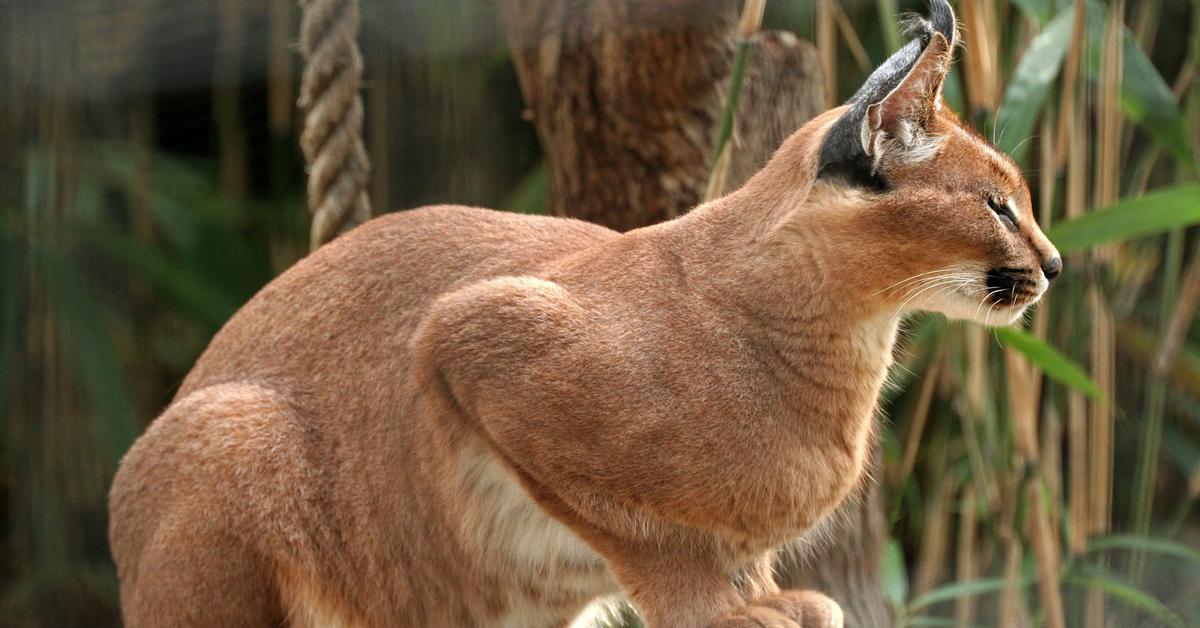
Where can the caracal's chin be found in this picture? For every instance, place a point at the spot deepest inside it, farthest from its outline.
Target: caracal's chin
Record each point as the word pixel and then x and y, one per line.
pixel 971 304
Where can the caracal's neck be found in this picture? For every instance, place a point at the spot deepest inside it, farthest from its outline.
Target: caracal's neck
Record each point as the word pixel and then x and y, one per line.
pixel 778 251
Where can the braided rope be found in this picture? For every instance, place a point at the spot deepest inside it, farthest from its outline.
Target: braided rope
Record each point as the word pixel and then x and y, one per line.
pixel 333 120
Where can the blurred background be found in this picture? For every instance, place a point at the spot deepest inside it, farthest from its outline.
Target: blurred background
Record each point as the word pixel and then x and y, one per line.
pixel 151 182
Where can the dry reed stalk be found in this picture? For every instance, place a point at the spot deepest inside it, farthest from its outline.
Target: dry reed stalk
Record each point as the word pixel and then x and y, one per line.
pixel 280 69
pixel 1044 540
pixel 1048 179
pixel 977 371
pixel 857 50
pixel 1076 151
pixel 983 75
pixel 1077 443
pixel 720 172
pixel 751 18
pixel 1107 185
pixel 1181 319
pixel 826 35
pixel 233 161
pixel 967 559
pixel 748 27
pixel 380 144
pixel 1013 613
pixel 1024 390
pixel 921 415
pixel 1145 22
pixel 1100 471
pixel 932 555
pixel 975 390
pixel 1067 123
pixel 1109 118
pixel 1050 462
pixel 1142 345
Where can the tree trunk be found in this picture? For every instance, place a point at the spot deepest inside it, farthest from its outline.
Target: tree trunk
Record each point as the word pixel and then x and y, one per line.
pixel 625 96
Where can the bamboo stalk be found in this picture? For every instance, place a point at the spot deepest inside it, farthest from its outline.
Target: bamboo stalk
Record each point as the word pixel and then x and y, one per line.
pixel 934 537
pixel 233 161
pixel 857 50
pixel 887 10
pixel 1024 390
pixel 827 49
pixel 1013 612
pixel 379 144
pixel 966 568
pixel 1050 463
pixel 982 68
pixel 921 415
pixel 281 96
pixel 1070 80
pixel 1077 443
pixel 1045 552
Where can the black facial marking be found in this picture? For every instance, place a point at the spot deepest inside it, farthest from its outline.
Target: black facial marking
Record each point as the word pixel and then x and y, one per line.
pixel 856 173
pixel 1007 285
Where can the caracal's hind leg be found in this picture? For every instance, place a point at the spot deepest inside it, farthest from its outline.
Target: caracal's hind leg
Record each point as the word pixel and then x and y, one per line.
pixel 201 506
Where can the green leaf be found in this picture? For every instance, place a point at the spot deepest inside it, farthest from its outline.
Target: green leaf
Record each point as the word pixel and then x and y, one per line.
pixel 1054 364
pixel 1148 101
pixel 206 302
pixel 1125 592
pixel 1036 10
pixel 1026 93
pixel 1149 545
pixel 922 621
pixel 85 330
pixel 1159 211
pixel 1145 96
pixel 956 590
pixel 893 574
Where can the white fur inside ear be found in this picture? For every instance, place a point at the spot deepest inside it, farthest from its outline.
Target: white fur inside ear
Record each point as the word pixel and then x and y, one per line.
pixel 909 144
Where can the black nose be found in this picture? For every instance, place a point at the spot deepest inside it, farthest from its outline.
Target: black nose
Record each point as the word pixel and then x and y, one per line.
pixel 1052 267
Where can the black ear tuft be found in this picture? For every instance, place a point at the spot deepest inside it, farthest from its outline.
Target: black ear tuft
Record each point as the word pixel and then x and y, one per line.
pixel 842 152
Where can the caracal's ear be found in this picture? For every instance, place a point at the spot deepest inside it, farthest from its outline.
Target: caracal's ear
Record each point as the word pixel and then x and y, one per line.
pixel 888 120
pixel 898 126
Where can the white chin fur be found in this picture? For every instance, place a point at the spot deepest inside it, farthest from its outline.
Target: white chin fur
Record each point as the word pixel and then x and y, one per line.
pixel 966 301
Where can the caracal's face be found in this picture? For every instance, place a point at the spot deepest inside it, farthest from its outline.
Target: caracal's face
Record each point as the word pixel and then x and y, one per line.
pixel 962 222
pixel 947 220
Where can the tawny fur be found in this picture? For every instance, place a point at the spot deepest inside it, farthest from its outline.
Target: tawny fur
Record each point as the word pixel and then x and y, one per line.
pixel 459 417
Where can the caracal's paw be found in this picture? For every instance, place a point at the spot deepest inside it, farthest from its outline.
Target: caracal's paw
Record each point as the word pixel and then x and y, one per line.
pixel 787 609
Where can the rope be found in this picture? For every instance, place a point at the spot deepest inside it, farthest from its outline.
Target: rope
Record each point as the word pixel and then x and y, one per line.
pixel 333 119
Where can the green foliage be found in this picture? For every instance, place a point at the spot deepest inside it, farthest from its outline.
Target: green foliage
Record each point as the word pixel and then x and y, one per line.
pixel 1027 90
pixel 1049 360
pixel 1152 214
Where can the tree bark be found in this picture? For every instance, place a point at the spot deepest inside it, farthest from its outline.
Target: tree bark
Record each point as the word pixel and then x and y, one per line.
pixel 626 96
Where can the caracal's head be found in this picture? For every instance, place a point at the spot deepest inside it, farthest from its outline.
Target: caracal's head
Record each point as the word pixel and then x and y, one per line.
pixel 943 219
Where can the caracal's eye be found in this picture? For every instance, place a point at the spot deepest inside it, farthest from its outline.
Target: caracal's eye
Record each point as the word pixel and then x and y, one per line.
pixel 1004 212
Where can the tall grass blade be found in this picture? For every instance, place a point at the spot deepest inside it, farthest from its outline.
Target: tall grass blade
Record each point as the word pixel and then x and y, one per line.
pixel 1146 544
pixel 1123 591
pixel 1054 364
pixel 1154 213
pixel 95 359
pixel 1040 11
pixel 1030 84
pixel 956 590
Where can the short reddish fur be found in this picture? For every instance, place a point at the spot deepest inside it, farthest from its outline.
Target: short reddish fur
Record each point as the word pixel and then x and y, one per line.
pixel 684 399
